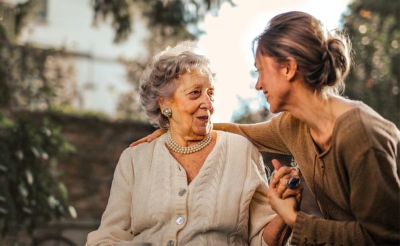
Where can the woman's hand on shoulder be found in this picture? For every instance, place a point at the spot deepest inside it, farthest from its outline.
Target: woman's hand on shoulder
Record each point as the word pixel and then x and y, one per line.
pixel 149 137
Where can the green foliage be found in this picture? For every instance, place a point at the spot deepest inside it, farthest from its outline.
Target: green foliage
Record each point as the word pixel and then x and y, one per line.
pixel 374 28
pixel 31 194
pixel 31 79
pixel 172 17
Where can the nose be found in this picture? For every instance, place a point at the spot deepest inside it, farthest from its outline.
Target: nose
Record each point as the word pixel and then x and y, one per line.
pixel 258 85
pixel 207 102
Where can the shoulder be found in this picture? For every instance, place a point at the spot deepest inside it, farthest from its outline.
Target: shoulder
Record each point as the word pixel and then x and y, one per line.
pixel 233 139
pixel 139 158
pixel 366 124
pixel 374 122
pixel 142 151
pixel 147 146
pixel 238 145
pixel 364 129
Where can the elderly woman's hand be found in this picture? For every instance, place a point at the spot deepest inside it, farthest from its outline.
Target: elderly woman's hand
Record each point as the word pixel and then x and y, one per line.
pixel 285 208
pixel 280 178
pixel 149 137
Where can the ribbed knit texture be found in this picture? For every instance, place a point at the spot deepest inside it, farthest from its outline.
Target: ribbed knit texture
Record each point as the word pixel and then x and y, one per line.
pixel 356 180
pixel 226 203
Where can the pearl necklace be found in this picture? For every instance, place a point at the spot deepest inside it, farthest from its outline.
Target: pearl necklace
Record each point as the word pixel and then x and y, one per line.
pixel 187 150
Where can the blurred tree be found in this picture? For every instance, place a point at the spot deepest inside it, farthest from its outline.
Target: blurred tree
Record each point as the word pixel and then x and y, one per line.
pixel 31 79
pixel 374 28
pixel 169 21
pixel 167 17
pixel 244 115
pixel 30 194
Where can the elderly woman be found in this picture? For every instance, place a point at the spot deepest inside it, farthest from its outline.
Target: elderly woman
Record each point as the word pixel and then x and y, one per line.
pixel 192 185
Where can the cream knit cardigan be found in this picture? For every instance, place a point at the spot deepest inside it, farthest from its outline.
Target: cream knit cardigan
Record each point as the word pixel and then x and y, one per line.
pixel 150 200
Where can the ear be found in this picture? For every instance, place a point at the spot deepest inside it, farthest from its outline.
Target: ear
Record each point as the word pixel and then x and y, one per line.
pixel 291 68
pixel 161 102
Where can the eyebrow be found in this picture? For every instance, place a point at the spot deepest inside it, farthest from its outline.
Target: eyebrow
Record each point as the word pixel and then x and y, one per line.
pixel 193 86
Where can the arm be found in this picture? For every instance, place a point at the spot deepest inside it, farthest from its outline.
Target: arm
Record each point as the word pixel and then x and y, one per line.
pixel 116 220
pixel 265 225
pixel 374 201
pixel 286 208
pixel 228 127
pixel 266 136
pixel 275 231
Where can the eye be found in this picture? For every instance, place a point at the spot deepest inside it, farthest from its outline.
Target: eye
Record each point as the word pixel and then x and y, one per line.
pixel 195 92
pixel 211 94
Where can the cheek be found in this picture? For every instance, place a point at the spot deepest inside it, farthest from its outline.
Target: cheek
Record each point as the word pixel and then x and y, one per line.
pixel 187 109
pixel 212 110
pixel 262 79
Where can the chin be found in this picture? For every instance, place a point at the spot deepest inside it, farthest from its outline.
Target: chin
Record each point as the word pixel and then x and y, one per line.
pixel 204 130
pixel 274 111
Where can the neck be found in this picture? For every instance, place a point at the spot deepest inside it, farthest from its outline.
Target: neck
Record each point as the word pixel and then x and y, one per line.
pixel 185 149
pixel 316 112
pixel 321 116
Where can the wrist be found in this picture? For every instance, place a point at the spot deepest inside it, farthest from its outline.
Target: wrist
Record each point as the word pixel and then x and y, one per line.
pixel 290 219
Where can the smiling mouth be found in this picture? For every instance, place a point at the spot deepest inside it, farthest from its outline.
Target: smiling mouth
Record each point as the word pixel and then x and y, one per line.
pixel 203 118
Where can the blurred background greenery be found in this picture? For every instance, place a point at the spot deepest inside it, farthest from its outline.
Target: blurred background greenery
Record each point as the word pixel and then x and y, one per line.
pixel 38 88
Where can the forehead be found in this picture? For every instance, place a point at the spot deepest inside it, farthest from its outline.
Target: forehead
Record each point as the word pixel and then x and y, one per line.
pixel 258 58
pixel 265 61
pixel 194 78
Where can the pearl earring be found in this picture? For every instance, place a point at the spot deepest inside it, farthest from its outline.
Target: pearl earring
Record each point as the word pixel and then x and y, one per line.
pixel 167 112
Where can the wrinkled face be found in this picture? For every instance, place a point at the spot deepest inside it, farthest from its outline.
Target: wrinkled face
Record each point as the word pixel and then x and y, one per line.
pixel 192 106
pixel 272 80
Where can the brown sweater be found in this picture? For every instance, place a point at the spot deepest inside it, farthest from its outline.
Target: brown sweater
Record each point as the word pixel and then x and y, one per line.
pixel 356 181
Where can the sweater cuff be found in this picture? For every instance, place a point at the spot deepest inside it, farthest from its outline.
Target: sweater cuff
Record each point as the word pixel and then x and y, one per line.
pixel 296 233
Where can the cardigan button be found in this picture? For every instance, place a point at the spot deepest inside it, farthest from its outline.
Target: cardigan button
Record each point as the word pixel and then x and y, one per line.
pixel 180 220
pixel 170 243
pixel 182 192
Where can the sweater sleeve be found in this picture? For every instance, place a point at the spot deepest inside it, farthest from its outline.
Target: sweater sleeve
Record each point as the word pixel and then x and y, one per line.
pixel 261 212
pixel 116 219
pixel 374 201
pixel 267 136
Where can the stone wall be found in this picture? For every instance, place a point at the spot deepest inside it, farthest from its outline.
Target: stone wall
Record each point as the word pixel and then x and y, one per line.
pixel 89 171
